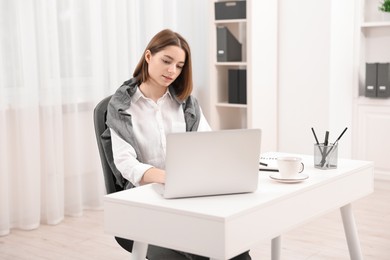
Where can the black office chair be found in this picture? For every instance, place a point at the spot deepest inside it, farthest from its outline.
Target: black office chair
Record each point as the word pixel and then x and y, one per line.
pixel 99 119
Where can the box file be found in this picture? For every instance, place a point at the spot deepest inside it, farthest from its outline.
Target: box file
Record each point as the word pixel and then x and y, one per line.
pixel 237 86
pixel 377 80
pixel 371 79
pixel 242 86
pixel 383 80
pixel 230 10
pixel 228 47
pixel 233 86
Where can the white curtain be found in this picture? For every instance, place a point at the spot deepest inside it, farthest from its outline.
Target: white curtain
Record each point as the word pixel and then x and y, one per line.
pixel 58 59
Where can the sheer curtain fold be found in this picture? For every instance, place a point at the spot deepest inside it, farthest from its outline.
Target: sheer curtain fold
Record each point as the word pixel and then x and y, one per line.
pixel 58 59
pixel 51 76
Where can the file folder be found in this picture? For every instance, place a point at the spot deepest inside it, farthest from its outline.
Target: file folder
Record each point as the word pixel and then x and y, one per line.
pixel 228 47
pixel 233 86
pixel 242 86
pixel 371 79
pixel 383 80
pixel 237 86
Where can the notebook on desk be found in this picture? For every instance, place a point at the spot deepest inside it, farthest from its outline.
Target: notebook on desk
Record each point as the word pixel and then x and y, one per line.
pixel 268 161
pixel 212 163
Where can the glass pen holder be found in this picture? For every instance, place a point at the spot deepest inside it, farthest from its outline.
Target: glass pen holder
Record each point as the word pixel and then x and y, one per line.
pixel 325 156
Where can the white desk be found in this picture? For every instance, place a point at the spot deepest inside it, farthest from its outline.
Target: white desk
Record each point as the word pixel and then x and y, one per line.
pixel 221 227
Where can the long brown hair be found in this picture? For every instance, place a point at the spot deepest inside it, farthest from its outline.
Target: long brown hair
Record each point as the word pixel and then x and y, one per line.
pixel 183 84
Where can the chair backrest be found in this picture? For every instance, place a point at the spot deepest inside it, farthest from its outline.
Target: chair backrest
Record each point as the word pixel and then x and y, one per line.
pixel 99 119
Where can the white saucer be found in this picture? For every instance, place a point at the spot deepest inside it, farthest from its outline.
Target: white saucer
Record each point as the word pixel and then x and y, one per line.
pixel 300 177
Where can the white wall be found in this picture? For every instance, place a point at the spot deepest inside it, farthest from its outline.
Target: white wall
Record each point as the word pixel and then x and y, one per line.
pixel 315 68
pixel 193 23
pixel 262 76
pixel 315 73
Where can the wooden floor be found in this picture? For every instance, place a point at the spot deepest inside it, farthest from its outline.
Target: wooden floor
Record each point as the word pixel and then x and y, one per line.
pixel 83 237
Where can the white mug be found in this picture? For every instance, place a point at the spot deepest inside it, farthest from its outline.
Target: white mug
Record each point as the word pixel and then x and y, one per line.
pixel 289 167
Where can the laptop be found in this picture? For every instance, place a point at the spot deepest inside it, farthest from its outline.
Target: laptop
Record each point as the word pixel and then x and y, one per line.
pixel 212 163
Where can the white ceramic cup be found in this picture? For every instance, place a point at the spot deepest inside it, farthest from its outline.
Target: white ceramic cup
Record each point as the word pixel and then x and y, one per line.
pixel 289 167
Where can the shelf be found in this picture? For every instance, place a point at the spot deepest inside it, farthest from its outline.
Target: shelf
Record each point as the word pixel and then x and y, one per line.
pixel 231 63
pixel 376 28
pixel 371 116
pixel 375 24
pixel 230 21
pixel 225 115
pixel 230 105
pixel 362 100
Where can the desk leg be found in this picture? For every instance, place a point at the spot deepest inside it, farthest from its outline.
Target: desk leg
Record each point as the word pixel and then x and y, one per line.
pixel 139 251
pixel 276 248
pixel 351 234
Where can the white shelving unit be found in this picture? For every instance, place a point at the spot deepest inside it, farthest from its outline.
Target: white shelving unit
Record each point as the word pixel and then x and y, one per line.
pixel 259 58
pixel 227 115
pixel 372 115
pixel 375 24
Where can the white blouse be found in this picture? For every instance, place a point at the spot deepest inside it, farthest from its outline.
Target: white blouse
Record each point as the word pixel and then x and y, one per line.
pixel 151 123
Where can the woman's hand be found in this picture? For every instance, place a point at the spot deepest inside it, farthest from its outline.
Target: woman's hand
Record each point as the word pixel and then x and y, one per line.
pixel 153 175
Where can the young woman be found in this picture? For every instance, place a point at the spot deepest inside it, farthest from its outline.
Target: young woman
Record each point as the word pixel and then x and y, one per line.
pixel 155 102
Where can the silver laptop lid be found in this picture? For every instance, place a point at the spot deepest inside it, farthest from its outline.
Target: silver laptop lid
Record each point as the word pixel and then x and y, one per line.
pixel 212 163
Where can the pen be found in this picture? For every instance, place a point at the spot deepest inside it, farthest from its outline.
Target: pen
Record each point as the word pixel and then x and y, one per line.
pixel 318 143
pixel 325 153
pixel 315 136
pixel 340 135
pixel 326 138
pixel 268 170
pixel 337 140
